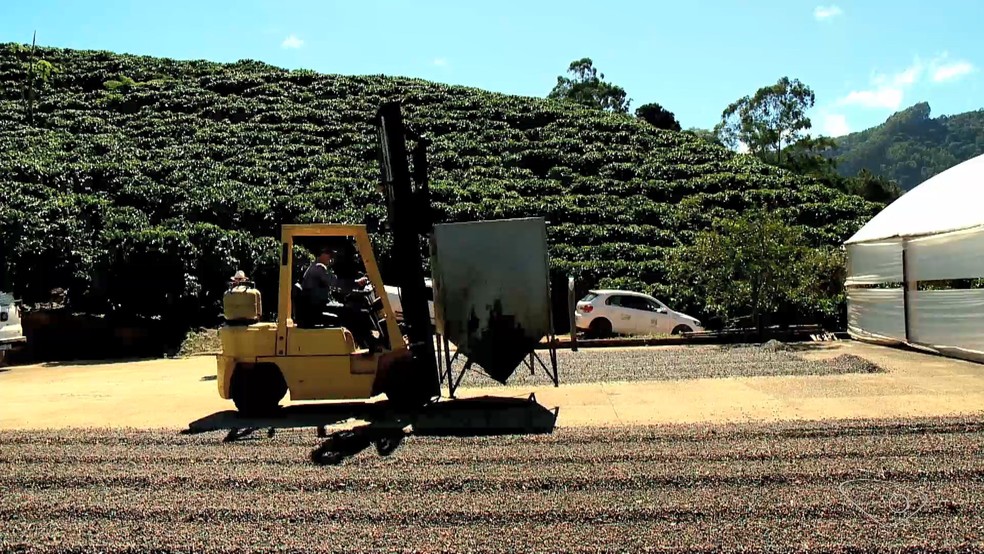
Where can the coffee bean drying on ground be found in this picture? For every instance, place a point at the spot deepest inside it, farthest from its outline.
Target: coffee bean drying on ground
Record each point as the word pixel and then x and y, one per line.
pixel 597 365
pixel 858 486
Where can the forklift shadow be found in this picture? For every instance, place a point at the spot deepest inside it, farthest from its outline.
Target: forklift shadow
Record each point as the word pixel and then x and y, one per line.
pixel 386 426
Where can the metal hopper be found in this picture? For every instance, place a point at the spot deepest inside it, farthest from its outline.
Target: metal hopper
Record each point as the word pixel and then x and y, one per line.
pixel 492 291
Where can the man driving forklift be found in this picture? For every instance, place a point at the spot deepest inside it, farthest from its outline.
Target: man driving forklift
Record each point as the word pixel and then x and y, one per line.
pixel 326 293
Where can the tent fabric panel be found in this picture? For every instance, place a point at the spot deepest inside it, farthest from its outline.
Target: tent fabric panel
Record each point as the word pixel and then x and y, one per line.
pixel 876 313
pixel 948 319
pixel 874 263
pixel 958 255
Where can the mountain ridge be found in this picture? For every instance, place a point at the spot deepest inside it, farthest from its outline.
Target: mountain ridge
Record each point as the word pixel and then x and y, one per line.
pixel 910 146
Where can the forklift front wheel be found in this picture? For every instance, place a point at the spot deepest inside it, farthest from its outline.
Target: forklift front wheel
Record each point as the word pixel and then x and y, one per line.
pixel 401 387
pixel 257 390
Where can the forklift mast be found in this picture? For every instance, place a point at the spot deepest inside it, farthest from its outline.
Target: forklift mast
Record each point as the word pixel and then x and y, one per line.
pixel 410 218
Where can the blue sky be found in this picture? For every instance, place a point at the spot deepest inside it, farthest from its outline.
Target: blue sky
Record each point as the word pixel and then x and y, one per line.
pixel 864 59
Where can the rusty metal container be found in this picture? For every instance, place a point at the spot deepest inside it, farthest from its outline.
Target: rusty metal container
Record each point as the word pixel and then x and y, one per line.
pixel 492 290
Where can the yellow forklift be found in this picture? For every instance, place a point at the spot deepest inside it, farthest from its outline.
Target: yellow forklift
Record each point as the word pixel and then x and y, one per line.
pixel 261 362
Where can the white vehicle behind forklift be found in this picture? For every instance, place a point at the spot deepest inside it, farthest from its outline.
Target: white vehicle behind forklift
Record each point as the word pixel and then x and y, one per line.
pixel 603 313
pixel 11 332
pixel 396 299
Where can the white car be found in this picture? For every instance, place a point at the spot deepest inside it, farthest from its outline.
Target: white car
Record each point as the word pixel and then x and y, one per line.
pixel 395 301
pixel 11 332
pixel 602 313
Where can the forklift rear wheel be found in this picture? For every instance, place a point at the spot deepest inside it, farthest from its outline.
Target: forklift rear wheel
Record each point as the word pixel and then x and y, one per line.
pixel 258 390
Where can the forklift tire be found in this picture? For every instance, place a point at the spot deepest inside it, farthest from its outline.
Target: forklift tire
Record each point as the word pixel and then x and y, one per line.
pixel 258 390
pixel 404 399
pixel 401 391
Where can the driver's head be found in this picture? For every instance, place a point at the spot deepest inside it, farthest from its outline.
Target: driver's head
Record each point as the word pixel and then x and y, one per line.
pixel 326 256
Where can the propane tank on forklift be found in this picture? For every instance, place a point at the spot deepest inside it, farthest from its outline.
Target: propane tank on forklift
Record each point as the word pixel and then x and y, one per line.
pixel 242 304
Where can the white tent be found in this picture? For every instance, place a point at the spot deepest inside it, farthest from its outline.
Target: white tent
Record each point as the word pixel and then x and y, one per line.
pixel 932 234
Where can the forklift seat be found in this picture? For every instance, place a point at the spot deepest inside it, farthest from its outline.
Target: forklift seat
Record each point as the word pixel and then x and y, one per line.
pixel 305 316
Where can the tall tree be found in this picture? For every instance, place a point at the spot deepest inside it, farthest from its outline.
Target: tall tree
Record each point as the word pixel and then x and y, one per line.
pixel 588 87
pixel 751 266
pixel 773 117
pixel 705 134
pixel 811 156
pixel 875 188
pixel 38 75
pixel 658 116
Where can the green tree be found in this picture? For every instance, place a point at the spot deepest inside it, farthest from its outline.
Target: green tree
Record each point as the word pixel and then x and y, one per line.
pixel 874 187
pixel 657 116
pixel 811 156
pixel 752 266
pixel 588 88
pixel 766 121
pixel 705 134
pixel 819 295
pixel 910 146
pixel 38 78
pixel 123 83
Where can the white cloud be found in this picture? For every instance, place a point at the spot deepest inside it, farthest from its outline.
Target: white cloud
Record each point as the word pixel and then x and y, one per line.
pixel 823 13
pixel 888 90
pixel 951 71
pixel 441 62
pixel 909 76
pixel 835 125
pixel 887 97
pixel 292 42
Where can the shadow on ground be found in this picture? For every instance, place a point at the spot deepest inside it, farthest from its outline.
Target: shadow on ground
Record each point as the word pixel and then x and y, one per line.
pixel 387 426
pixel 778 346
pixel 107 361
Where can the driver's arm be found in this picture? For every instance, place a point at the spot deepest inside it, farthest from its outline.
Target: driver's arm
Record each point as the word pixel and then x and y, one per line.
pixel 339 283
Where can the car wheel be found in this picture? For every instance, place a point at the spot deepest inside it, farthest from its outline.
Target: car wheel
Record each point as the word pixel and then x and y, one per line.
pixel 601 328
pixel 681 329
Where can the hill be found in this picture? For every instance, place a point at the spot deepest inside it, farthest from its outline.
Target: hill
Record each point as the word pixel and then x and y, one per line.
pixel 142 183
pixel 911 146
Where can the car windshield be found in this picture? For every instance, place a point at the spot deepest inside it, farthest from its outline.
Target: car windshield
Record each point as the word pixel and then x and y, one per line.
pixel 589 297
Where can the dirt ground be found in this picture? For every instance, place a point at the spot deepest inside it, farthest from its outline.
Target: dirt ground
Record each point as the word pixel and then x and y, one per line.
pixel 860 486
pixel 173 393
pixel 144 456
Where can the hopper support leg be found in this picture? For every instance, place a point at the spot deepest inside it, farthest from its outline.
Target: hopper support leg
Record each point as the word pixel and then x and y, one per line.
pixel 550 371
pixel 457 382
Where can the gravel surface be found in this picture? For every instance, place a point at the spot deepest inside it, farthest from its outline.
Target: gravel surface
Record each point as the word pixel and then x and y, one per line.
pixel 591 365
pixel 819 487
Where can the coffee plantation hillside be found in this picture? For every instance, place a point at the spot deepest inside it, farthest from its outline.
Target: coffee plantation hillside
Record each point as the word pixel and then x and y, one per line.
pixel 141 184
